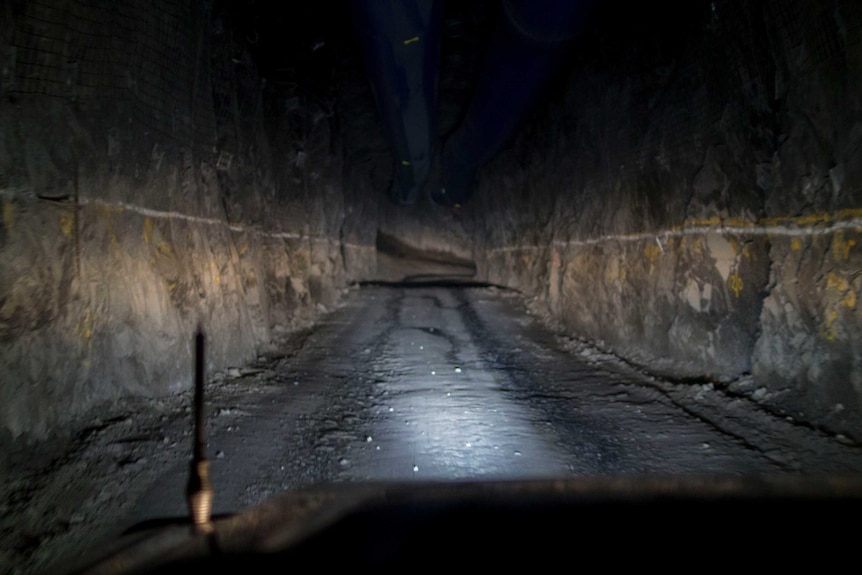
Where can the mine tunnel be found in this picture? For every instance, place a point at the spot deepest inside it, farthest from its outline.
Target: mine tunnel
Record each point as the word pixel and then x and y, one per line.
pixel 471 240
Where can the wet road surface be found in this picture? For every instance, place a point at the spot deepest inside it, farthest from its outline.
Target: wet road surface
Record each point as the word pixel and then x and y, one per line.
pixel 432 383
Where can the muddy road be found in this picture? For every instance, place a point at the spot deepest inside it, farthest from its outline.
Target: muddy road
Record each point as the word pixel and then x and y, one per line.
pixel 400 383
pixel 419 383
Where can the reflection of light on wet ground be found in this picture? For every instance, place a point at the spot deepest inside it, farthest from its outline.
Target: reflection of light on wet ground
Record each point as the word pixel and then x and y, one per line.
pixel 440 413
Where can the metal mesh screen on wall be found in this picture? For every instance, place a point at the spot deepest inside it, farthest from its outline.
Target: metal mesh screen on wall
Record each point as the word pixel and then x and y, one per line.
pixel 151 55
pixel 185 81
pixel 747 52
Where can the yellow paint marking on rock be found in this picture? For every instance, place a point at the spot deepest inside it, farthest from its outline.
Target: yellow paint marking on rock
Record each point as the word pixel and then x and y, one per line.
pixel 409 41
pixel 795 244
pixel 713 221
pixel 813 219
pixel 651 252
pixel 734 281
pixel 148 230
pixel 842 287
pixel 839 293
pixel 697 246
pixel 841 247
pixel 836 282
pixel 85 331
pixel 67 224
pixel 739 223
pixel 8 214
pixel 827 330
pixel 809 220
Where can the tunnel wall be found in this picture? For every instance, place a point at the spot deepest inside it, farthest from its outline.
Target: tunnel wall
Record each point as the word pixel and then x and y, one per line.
pixel 691 198
pixel 150 183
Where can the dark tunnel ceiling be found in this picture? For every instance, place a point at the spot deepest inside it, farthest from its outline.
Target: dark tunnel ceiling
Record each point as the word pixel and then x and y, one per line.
pixel 304 44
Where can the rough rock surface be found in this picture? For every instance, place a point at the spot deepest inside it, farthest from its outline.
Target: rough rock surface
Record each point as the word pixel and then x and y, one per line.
pixel 691 199
pixel 152 182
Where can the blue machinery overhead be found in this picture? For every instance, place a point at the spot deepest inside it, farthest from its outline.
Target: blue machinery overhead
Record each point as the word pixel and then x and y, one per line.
pixel 401 45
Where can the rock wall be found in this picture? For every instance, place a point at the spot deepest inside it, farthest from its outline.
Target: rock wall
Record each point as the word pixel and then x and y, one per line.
pixel 692 199
pixel 151 182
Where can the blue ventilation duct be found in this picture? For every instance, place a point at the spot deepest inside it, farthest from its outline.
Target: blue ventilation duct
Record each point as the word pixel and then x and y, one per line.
pixel 401 45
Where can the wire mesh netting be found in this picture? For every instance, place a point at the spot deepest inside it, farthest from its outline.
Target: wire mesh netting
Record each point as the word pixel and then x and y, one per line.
pixel 183 78
pixel 747 54
pixel 154 56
